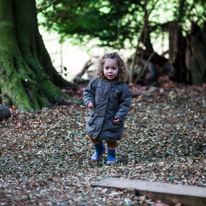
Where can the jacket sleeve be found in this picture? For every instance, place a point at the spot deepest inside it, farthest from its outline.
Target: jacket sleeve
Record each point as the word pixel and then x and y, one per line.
pixel 124 106
pixel 89 92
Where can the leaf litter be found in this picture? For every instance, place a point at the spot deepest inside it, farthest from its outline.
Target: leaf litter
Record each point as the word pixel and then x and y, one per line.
pixel 45 156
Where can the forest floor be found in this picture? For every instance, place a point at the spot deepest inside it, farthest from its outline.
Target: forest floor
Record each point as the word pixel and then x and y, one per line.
pixel 45 157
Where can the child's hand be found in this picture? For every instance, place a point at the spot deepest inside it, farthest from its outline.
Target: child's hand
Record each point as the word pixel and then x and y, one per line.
pixel 116 120
pixel 90 105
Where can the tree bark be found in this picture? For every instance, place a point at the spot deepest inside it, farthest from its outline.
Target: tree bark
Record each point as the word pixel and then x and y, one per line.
pixel 177 45
pixel 196 49
pixel 27 77
pixel 143 38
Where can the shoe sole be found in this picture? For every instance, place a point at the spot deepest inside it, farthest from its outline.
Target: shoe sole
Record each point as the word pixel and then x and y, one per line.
pixel 111 162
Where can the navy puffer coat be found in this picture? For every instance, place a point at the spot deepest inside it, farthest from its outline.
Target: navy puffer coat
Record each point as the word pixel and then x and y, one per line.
pixel 111 99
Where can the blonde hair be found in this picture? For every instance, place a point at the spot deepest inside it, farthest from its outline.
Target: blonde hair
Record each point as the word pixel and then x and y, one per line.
pixel 122 73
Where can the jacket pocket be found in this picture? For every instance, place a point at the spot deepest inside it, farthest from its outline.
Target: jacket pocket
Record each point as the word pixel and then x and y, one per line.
pixel 114 127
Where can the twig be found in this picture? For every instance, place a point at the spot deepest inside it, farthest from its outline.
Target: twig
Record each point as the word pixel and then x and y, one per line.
pixel 47 6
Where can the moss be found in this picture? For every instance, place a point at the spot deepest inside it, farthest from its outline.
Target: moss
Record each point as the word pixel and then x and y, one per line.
pixel 19 59
pixel 54 94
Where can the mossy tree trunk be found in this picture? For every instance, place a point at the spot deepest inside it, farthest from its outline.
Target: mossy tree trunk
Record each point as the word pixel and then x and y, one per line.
pixel 27 77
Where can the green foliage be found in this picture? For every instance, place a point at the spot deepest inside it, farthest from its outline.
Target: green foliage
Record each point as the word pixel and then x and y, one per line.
pixel 190 11
pixel 116 23
pixel 109 21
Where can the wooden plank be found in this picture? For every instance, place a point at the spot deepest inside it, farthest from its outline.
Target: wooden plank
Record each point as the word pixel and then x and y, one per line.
pixel 168 193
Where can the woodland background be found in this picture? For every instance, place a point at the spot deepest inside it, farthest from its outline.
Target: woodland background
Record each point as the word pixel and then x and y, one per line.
pixel 44 152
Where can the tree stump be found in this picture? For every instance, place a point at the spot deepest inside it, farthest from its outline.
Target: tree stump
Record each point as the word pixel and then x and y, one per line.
pixel 4 112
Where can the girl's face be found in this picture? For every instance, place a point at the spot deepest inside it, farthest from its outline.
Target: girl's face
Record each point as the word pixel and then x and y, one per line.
pixel 110 69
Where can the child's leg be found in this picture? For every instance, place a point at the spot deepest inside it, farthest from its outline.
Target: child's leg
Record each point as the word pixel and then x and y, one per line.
pixel 94 141
pixel 112 145
pixel 99 148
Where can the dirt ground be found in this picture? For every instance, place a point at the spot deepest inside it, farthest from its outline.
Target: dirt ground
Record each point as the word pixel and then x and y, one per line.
pixel 45 156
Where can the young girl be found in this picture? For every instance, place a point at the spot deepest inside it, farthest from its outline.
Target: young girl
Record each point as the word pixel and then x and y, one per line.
pixel 108 99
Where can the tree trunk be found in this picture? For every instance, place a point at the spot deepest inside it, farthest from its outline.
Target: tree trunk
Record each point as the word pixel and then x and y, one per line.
pixel 27 77
pixel 196 50
pixel 143 38
pixel 177 45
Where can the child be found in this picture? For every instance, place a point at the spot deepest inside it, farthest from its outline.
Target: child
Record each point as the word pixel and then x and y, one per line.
pixel 108 99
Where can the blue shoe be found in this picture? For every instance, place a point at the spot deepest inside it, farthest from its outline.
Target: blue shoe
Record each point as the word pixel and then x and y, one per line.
pixel 111 156
pixel 99 151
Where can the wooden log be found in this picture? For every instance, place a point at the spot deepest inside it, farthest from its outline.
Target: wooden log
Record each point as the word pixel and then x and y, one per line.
pixel 168 193
pixel 4 112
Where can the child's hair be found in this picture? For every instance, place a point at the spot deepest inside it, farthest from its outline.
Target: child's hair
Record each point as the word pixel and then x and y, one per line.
pixel 122 73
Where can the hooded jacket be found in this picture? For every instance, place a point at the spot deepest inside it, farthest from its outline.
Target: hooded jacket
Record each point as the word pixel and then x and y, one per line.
pixel 111 99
